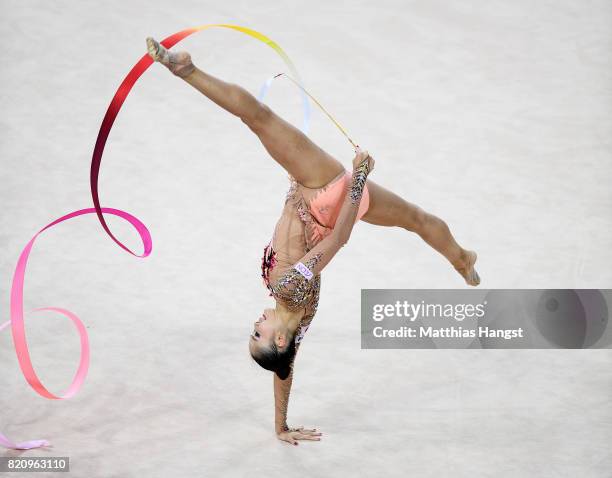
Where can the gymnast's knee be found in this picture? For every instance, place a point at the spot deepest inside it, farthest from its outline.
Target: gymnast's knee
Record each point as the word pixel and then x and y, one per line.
pixel 258 117
pixel 416 221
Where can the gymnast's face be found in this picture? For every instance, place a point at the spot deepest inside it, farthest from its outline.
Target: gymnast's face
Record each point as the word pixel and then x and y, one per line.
pixel 265 329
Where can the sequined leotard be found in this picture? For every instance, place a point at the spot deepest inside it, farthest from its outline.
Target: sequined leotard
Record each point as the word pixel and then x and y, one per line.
pixel 298 232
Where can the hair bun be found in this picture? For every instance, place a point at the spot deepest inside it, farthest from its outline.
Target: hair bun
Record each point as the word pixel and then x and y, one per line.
pixel 283 372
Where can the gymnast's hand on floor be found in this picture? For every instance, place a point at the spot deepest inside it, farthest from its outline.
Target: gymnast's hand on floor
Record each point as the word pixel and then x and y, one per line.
pixel 291 435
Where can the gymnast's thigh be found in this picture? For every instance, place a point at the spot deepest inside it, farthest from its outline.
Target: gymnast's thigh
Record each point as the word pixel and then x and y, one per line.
pixel 309 164
pixel 389 209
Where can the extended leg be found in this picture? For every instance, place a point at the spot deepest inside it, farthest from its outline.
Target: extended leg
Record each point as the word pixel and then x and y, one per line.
pixel 294 151
pixel 388 209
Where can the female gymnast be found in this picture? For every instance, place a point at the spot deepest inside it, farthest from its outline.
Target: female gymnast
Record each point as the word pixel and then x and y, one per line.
pixel 323 203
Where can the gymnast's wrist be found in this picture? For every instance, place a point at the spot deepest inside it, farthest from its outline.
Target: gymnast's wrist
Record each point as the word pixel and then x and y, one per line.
pixel 281 428
pixel 362 168
pixel 357 184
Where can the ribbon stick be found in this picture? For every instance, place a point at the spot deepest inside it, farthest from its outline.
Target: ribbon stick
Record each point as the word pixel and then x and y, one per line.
pixel 338 125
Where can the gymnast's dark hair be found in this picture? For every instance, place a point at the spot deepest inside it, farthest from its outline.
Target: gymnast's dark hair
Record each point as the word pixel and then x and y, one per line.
pixel 275 360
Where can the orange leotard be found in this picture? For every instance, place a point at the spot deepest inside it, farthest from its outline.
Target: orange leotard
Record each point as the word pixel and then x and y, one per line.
pixel 309 215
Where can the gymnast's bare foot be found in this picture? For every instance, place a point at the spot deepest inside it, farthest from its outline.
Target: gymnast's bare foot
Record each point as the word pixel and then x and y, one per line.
pixel 179 63
pixel 466 269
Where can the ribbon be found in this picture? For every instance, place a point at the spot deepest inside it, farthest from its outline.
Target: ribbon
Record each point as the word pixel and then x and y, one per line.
pixel 26 445
pixel 16 305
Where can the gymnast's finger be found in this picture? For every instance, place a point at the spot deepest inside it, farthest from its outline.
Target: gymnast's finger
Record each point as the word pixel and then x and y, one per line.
pixel 310 432
pixel 288 438
pixel 302 436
